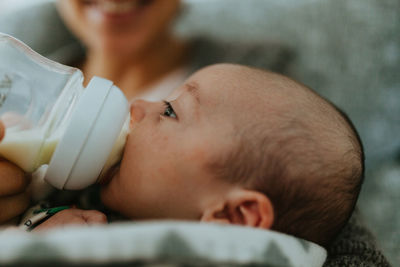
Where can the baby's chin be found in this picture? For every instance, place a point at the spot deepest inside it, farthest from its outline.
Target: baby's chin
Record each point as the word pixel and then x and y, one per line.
pixel 106 178
pixel 108 198
pixel 108 194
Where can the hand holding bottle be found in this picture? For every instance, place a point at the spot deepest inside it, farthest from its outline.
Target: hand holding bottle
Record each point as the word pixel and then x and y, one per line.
pixel 14 198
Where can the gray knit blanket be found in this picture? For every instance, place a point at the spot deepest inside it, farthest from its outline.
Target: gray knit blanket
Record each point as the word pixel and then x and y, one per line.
pixel 355 246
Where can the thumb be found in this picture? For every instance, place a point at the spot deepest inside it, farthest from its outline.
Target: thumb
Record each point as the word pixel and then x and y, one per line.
pixel 12 179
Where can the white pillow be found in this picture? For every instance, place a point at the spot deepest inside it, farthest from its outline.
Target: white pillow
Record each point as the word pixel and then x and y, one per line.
pixel 165 242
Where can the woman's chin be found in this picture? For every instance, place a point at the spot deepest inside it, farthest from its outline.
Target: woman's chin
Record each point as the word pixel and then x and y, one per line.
pixel 120 46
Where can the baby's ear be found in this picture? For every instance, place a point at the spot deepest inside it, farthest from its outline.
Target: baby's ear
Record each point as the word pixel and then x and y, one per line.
pixel 242 207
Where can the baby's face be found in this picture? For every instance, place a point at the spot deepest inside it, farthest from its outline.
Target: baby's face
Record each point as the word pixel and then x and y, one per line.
pixel 163 172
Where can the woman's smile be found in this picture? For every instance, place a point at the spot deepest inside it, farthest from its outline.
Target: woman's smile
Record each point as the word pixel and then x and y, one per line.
pixel 117 6
pixel 116 11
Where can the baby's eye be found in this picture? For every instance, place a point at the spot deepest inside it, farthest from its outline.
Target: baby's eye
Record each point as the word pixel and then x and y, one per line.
pixel 168 110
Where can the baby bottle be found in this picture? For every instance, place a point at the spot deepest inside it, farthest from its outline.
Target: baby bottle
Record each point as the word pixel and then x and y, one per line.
pixel 51 119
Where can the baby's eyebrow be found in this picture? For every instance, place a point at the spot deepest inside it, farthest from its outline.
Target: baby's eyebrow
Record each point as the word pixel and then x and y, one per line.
pixel 193 89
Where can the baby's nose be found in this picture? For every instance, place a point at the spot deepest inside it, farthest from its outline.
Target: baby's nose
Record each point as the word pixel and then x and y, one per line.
pixel 138 110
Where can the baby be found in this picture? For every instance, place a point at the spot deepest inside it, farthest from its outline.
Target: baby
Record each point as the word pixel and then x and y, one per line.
pixel 237 145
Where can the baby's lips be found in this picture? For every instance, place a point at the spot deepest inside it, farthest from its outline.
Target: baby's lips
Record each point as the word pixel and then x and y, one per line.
pixel 132 115
pixel 2 130
pixel 132 121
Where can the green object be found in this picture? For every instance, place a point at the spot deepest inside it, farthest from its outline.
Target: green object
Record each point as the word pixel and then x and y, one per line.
pixel 51 211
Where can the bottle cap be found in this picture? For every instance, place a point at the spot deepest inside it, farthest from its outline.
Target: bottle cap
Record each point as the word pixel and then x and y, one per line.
pixel 89 137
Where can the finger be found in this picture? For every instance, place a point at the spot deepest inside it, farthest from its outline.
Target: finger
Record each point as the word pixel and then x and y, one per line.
pixel 12 206
pixel 12 179
pixel 62 220
pixel 2 130
pixel 94 216
pixel 72 217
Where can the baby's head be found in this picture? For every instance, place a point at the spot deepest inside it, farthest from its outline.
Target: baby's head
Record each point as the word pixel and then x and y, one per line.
pixel 243 146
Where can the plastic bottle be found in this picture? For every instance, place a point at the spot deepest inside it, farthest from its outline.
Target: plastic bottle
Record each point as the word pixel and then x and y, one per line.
pixel 51 119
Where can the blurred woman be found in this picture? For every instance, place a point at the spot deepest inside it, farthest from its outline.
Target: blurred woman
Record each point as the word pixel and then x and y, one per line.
pixel 127 41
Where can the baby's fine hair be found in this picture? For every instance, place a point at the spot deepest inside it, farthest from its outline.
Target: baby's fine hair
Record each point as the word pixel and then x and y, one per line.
pixel 310 164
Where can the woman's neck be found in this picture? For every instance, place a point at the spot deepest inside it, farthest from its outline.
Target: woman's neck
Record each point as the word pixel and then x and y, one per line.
pixel 134 73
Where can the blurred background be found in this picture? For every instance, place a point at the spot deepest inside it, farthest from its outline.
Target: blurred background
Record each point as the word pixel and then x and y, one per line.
pixel 347 50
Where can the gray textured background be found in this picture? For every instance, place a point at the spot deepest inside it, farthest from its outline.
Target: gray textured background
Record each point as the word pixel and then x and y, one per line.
pixel 348 51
